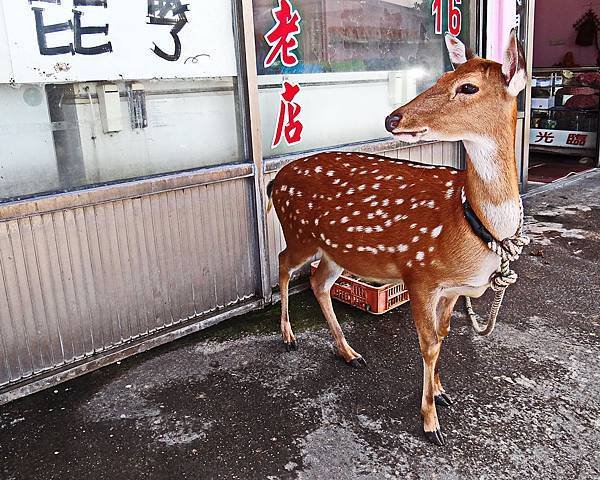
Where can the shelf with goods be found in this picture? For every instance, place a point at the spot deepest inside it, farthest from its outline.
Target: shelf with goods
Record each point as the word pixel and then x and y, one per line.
pixel 565 110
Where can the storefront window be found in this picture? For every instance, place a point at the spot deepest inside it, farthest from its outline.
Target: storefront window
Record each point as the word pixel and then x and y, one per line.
pixel 97 92
pixel 331 70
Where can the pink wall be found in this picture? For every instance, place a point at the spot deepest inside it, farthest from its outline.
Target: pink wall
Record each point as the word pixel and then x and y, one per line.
pixel 554 34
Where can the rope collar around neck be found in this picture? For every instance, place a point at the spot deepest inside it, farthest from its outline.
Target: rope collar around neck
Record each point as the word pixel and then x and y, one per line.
pixel 508 250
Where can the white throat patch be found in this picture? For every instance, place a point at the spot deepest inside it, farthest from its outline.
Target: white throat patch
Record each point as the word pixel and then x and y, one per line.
pixel 482 153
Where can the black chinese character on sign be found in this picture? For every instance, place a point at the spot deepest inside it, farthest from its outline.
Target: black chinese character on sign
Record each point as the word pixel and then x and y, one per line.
pixel 546 137
pixel 74 25
pixel 168 12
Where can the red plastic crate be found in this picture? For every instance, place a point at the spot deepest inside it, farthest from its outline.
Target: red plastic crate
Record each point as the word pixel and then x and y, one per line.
pixel 367 297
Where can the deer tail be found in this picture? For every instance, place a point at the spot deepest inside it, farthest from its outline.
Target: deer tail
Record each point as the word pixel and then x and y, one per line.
pixel 270 195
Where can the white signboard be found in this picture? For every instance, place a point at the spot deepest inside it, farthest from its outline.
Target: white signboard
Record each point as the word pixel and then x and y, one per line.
pixel 84 40
pixel 562 138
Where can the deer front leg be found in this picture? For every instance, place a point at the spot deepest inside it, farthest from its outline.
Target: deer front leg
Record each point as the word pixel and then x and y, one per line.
pixel 321 282
pixel 444 312
pixel 424 313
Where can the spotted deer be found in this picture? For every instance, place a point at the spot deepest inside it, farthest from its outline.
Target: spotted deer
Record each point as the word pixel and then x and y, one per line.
pixel 392 221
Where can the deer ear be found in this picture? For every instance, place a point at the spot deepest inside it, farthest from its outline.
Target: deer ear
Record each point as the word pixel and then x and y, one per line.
pixel 459 54
pixel 514 67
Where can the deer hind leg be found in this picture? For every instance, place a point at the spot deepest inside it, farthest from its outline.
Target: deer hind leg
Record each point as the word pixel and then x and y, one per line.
pixel 444 312
pixel 289 261
pixel 424 313
pixel 321 282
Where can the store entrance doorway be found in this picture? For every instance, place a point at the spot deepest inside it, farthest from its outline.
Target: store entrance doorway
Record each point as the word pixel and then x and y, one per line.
pixel 565 90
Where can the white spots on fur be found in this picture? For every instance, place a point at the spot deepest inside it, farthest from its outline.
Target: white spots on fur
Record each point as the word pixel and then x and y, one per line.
pixel 344 220
pixel 350 191
pixel 353 169
pixel 330 173
pixel 431 204
pixel 379 177
pixel 332 222
pixel 336 181
pixel 360 228
pixel 453 172
pixel 431 249
pixel 388 223
pixel 388 177
pixel 368 230
pixel 436 231
pixel 292 190
pixel 391 249
pixel 385 202
pixel 345 184
pixel 449 193
pixel 449 184
pixel 350 204
pixel 420 256
pixel 370 216
pixel 284 188
pixel 338 194
pixel 350 229
pixel 413 226
pixel 409 264
pixel 318 169
pixel 376 186
pixel 368 199
pixel 415 239
pixel 399 201
pixel 322 236
pixel 356 213
pixel 402 187
pixel 306 172
pixel 378 228
pixel 435 176
pixel 381 248
pixel 423 229
pixel 402 248
pixel 399 177
pixel 363 172
pixel 310 205
pixel 287 203
pixel 338 208
pixel 316 221
pixel 349 246
pixel 374 204
pixel 375 171
pixel 362 187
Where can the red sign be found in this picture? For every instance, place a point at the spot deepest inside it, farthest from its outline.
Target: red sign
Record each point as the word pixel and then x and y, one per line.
pixel 454 16
pixel 288 124
pixel 576 139
pixel 282 37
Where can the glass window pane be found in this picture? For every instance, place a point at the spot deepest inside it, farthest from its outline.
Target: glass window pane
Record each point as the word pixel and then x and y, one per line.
pixel 161 99
pixel 354 61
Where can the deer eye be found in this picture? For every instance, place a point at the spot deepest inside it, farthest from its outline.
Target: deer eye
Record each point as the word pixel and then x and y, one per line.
pixel 468 89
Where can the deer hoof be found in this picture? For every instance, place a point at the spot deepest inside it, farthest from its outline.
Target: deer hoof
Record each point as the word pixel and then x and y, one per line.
pixel 436 438
pixel 292 345
pixel 358 362
pixel 443 400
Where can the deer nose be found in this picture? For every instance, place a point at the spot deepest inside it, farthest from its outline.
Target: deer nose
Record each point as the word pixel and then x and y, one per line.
pixel 392 121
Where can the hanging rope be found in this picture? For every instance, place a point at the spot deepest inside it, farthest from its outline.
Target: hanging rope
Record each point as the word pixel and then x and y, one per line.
pixel 508 250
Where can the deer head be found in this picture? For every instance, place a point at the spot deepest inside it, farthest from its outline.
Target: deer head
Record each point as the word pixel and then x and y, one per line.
pixel 470 104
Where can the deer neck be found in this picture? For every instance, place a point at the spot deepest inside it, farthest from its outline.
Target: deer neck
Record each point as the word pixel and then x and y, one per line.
pixel 492 186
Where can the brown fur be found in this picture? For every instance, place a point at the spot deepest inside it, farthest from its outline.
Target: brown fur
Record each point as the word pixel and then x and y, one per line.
pixel 400 221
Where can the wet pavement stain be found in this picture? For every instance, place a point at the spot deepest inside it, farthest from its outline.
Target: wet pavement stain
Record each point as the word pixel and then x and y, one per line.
pixel 229 402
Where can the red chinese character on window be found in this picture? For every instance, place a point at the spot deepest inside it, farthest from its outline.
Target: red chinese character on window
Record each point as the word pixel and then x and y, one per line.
pixel 288 124
pixel 546 137
pixel 282 37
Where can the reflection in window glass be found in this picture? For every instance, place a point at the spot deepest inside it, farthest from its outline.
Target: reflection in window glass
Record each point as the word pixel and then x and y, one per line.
pixel 57 137
pixel 356 61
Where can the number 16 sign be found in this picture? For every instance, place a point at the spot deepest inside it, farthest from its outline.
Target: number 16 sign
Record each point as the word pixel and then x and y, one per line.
pixel 454 16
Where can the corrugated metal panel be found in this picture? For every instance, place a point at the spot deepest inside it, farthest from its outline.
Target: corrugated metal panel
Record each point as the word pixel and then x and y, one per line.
pixel 78 281
pixel 440 153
